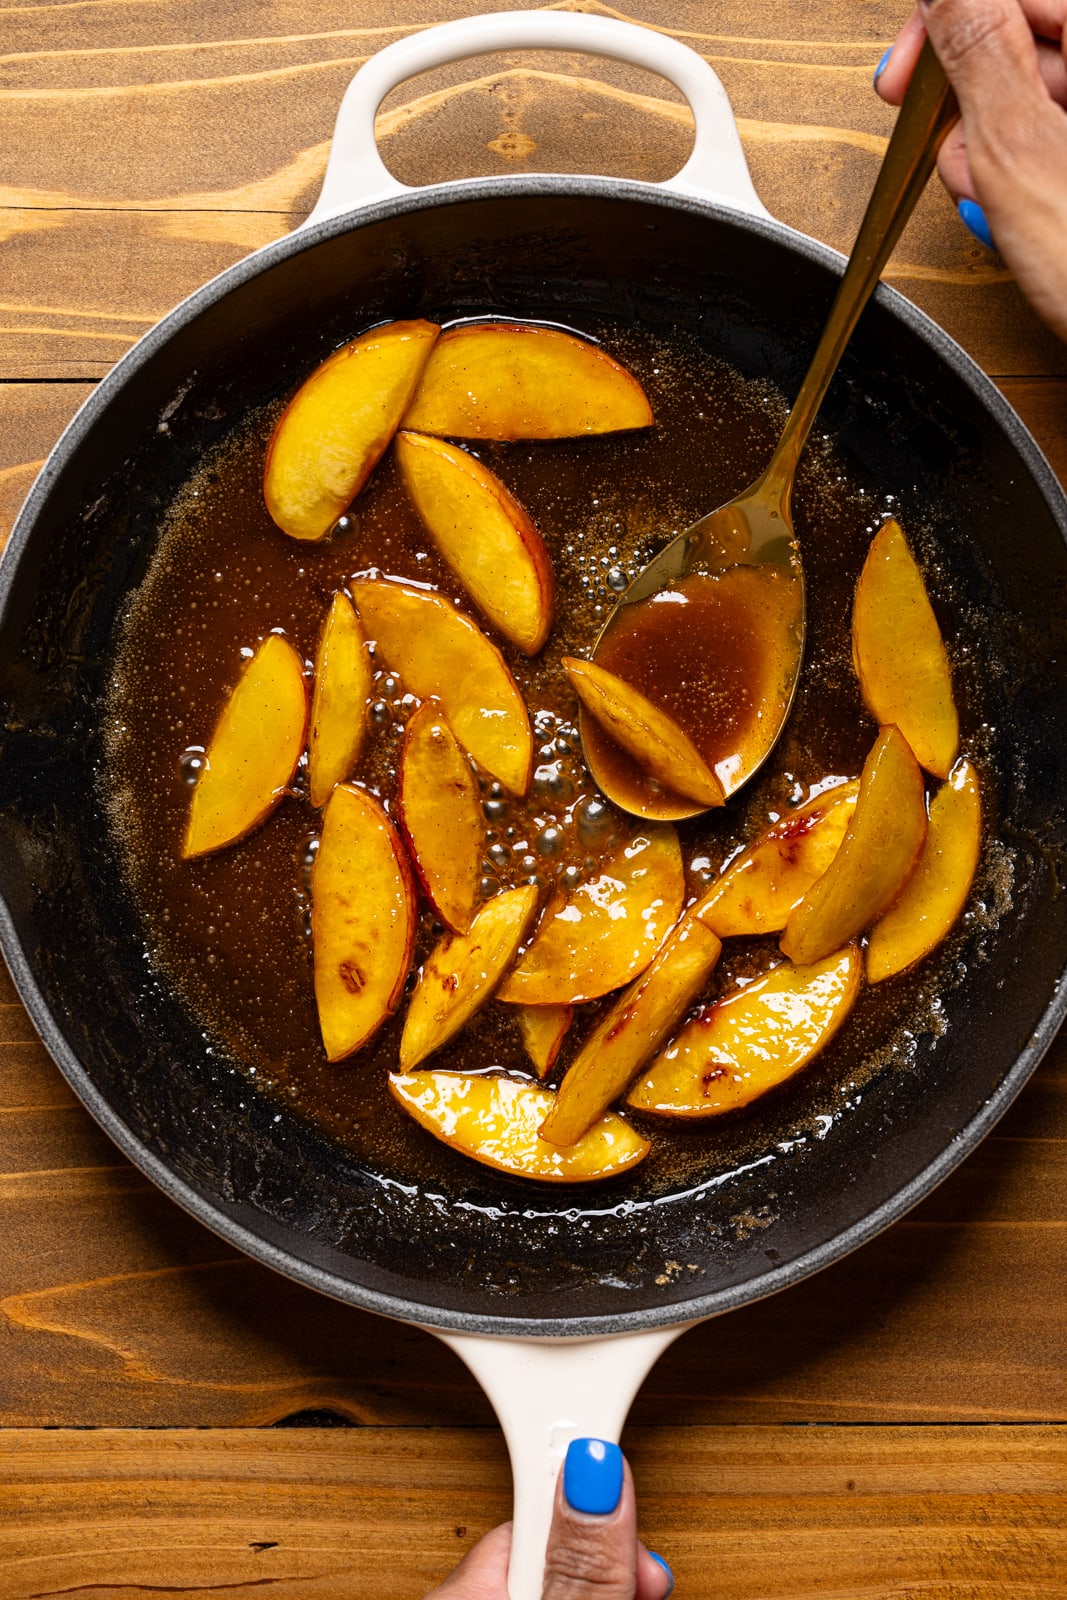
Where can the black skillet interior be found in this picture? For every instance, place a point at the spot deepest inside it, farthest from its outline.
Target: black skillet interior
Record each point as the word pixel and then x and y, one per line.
pixel 485 1253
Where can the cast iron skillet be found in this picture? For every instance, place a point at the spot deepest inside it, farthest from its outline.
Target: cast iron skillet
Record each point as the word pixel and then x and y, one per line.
pixel 483 1255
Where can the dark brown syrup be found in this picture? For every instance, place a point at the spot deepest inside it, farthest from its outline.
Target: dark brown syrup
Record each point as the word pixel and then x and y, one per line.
pixel 708 651
pixel 230 932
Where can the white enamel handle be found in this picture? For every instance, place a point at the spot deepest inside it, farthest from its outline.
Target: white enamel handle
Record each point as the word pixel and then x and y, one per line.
pixel 547 1392
pixel 716 169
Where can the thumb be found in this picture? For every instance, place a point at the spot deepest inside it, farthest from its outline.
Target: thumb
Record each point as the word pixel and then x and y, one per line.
pixel 593 1550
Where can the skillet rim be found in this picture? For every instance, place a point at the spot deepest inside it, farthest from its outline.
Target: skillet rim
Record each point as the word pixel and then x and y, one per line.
pixel 209 1212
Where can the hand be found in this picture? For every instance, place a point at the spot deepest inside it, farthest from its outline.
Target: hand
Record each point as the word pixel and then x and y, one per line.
pixel 1006 161
pixel 593 1549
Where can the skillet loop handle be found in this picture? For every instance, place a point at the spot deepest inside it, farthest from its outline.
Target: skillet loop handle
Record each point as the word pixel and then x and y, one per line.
pixel 545 1393
pixel 716 170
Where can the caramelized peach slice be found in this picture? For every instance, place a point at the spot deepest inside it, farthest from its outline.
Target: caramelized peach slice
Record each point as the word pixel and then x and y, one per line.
pixel 899 655
pixel 645 732
pixel 334 430
pixel 501 380
pixel 543 1030
pixel 495 1120
pixel 876 858
pixel 761 886
pixel 631 1030
pixel 253 751
pixel 751 1041
pixel 440 654
pixel 485 536
pixel 339 704
pixel 441 815
pixel 937 890
pixel 462 973
pixel 606 931
pixel 362 920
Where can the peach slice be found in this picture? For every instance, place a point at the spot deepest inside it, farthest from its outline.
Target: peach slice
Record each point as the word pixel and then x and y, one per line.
pixel 503 380
pixel 441 654
pixel 876 858
pixel 253 752
pixel 362 920
pixel 485 536
pixel 441 815
pixel 462 973
pixel 751 1041
pixel 761 886
pixel 495 1120
pixel 631 1030
pixel 336 427
pixel 606 931
pixel 543 1030
pixel 937 890
pixel 899 654
pixel 645 732
pixel 339 704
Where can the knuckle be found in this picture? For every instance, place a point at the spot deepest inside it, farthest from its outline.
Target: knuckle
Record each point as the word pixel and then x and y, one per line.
pixel 581 1569
pixel 970 33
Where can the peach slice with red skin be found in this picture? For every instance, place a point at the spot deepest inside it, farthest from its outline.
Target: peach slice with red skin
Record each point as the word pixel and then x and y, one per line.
pixel 253 752
pixel 899 655
pixel 337 426
pixel 876 858
pixel 937 890
pixel 645 732
pixel 339 704
pixel 440 811
pixel 363 909
pixel 543 1030
pixel 507 380
pixel 760 887
pixel 495 1121
pixel 462 972
pixel 606 931
pixel 629 1032
pixel 485 536
pixel 750 1041
pixel 441 654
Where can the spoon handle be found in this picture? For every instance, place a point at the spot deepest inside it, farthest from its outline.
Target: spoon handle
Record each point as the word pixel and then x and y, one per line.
pixel 928 111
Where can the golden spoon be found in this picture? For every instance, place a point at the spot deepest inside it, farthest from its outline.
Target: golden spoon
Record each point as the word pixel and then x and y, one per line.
pixel 748 545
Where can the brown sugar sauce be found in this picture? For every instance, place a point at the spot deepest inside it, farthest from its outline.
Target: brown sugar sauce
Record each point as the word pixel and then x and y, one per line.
pixel 708 651
pixel 231 932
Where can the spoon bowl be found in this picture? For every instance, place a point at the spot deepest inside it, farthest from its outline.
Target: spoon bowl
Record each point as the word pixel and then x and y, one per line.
pixel 722 605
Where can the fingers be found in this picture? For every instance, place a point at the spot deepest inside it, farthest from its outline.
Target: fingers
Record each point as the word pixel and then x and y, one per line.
pixel 483 1572
pixel 893 73
pixel 1046 20
pixel 593 1550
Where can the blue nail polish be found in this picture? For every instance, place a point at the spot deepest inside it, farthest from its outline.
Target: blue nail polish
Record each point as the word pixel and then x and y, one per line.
pixel 592 1476
pixel 880 68
pixel 974 218
pixel 660 1562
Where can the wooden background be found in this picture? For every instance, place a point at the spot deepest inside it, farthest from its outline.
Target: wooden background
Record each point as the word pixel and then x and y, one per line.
pixel 170 1413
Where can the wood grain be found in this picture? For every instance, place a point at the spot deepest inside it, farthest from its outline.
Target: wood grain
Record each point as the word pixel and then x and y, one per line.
pixel 98 245
pixel 117 1308
pixel 147 146
pixel 373 1514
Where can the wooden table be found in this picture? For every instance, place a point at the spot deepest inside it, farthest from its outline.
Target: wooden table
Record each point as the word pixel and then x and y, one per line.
pixel 171 1414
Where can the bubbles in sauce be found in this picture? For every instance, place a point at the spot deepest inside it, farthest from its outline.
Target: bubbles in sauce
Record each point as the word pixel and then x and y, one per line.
pixel 230 932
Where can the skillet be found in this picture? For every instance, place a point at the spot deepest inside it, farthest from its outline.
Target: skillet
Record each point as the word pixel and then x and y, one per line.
pixel 520 1279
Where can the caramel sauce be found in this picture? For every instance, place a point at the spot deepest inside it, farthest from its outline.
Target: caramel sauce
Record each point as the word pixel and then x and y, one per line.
pixel 230 933
pixel 708 651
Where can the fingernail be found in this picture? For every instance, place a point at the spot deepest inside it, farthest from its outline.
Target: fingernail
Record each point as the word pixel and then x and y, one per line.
pixel 660 1562
pixel 880 68
pixel 974 218
pixel 592 1476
